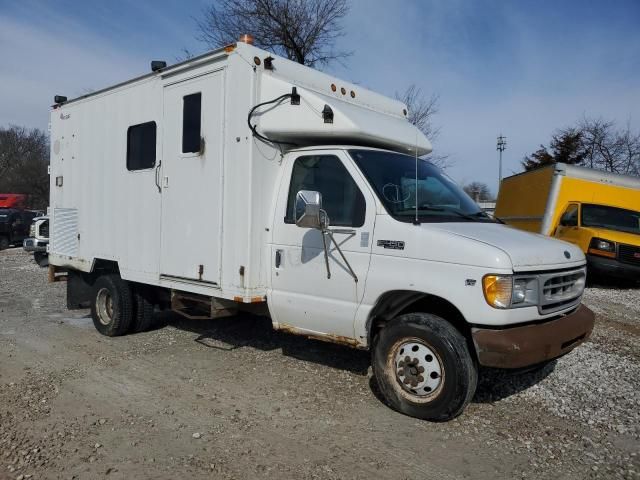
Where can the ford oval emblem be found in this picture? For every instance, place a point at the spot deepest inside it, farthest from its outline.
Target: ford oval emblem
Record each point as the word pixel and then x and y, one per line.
pixel 567 254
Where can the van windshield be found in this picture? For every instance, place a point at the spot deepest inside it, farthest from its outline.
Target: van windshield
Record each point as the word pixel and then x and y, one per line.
pixel 436 196
pixel 611 218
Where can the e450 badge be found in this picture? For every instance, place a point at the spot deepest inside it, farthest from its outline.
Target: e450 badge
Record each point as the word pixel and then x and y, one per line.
pixel 393 244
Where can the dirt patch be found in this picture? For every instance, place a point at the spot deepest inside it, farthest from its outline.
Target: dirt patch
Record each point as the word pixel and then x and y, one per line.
pixel 234 399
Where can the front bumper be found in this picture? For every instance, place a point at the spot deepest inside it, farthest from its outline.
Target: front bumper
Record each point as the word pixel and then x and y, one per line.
pixel 33 245
pixel 612 267
pixel 518 347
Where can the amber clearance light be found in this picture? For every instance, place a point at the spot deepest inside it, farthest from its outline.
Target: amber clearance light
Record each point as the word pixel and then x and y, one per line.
pixel 246 38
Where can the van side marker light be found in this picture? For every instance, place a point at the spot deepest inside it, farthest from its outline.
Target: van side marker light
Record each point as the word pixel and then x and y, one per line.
pixel 240 299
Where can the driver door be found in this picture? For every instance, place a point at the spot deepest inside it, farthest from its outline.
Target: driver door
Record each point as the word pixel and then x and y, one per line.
pixel 569 228
pixel 302 296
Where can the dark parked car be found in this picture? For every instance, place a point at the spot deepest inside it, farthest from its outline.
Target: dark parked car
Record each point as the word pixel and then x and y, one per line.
pixel 14 226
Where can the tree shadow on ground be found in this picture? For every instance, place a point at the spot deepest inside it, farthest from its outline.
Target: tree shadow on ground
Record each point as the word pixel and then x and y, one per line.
pixel 496 384
pixel 247 330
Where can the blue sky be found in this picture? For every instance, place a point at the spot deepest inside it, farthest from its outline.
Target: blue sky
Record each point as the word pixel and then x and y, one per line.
pixel 522 68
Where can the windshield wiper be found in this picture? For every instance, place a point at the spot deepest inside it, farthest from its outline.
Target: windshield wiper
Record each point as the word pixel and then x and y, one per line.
pixel 472 217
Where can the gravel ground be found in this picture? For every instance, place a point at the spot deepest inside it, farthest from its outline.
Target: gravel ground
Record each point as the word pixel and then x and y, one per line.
pixel 233 399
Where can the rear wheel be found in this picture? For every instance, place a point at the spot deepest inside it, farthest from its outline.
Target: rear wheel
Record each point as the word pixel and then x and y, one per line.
pixel 143 309
pixel 112 306
pixel 423 367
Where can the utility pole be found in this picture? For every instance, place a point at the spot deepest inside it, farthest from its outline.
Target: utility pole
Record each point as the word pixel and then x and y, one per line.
pixel 502 144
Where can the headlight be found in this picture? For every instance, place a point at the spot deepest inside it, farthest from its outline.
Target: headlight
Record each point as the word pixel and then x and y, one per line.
pixel 32 230
pixel 602 247
pixel 519 291
pixel 497 290
pixel 505 291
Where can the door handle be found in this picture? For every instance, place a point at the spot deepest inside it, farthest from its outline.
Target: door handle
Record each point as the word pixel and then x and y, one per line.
pixel 278 258
pixel 157 179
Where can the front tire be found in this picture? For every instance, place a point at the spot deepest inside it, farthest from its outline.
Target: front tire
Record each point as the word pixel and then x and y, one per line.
pixel 4 243
pixel 112 305
pixel 423 367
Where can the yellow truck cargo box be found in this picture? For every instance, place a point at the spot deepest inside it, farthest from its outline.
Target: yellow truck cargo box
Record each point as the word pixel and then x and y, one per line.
pixel 598 211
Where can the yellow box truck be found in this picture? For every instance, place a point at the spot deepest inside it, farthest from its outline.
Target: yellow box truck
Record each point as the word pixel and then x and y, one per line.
pixel 598 211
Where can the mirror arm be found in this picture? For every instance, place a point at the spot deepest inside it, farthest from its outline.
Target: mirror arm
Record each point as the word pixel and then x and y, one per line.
pixel 328 232
pixel 326 253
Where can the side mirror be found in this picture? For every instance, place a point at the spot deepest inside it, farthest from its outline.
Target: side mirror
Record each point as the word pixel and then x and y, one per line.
pixel 308 209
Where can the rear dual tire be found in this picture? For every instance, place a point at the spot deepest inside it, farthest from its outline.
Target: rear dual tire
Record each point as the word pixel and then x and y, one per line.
pixel 112 306
pixel 423 367
pixel 117 308
pixel 143 309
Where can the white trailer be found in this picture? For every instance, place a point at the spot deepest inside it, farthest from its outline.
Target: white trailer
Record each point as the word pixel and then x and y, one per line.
pixel 238 180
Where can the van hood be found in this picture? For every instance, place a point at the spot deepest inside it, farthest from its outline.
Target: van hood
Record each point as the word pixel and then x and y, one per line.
pixel 527 251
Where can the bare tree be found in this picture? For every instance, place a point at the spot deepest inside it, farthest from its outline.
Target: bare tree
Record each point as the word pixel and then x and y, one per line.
pixel 301 30
pixel 608 148
pixel 420 112
pixel 478 191
pixel 567 146
pixel 24 157
pixel 594 143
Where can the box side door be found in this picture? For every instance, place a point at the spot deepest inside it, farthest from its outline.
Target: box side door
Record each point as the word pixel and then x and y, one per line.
pixel 191 179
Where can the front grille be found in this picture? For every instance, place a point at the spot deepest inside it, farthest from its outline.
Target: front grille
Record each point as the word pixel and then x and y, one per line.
pixel 44 229
pixel 561 290
pixel 629 254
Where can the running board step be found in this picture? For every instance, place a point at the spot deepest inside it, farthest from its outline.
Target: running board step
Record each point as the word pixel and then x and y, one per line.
pixel 201 307
pixel 56 274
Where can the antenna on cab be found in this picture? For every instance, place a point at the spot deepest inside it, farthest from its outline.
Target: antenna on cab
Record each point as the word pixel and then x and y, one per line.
pixel 415 220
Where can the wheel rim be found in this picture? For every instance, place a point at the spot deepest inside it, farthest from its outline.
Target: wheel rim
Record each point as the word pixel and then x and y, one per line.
pixel 104 306
pixel 418 369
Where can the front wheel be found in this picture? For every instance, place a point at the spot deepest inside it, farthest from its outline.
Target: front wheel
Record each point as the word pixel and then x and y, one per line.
pixel 423 367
